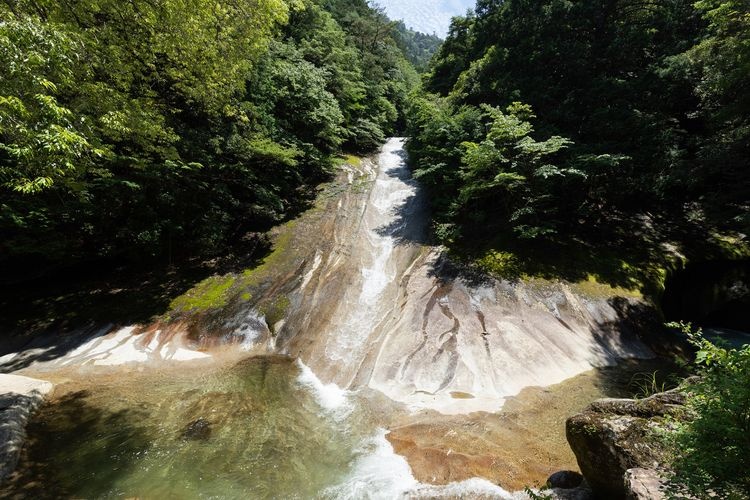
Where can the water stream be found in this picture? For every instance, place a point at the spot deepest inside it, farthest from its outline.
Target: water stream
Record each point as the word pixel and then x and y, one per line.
pixel 392 338
pixel 264 428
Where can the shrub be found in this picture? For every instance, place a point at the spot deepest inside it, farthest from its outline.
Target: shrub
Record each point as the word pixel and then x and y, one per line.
pixel 712 449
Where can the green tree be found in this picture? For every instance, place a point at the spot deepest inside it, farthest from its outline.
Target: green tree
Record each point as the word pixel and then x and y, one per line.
pixel 43 143
pixel 651 98
pixel 146 130
pixel 711 448
pixel 511 177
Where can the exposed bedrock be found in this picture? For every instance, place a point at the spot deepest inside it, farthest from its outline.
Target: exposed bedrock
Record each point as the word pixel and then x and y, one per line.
pixel 380 308
pixel 356 291
pixel 475 345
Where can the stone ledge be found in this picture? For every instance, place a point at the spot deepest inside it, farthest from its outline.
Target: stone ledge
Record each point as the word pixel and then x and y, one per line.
pixel 19 398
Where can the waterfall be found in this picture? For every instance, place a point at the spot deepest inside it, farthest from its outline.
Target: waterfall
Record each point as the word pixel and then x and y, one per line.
pixel 399 323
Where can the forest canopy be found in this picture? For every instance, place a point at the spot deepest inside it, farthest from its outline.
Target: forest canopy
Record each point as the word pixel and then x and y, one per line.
pixel 574 128
pixel 157 130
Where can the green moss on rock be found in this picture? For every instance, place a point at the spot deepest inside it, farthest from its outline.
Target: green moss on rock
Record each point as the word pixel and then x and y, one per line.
pixel 211 293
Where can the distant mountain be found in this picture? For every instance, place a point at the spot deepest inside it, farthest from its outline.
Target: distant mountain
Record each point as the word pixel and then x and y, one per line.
pixel 417 47
pixel 427 16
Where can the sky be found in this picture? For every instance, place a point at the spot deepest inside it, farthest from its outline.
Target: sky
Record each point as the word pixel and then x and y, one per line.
pixel 427 16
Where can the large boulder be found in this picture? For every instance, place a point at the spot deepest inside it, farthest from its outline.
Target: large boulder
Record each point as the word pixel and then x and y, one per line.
pixel 19 398
pixel 614 435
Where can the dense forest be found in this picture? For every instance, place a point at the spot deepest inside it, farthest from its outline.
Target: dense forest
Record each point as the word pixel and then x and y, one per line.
pixel 587 133
pixel 418 47
pixel 605 140
pixel 151 131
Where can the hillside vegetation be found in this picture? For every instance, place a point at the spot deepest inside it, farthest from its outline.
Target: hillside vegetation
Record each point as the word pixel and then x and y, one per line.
pixel 588 138
pixel 153 131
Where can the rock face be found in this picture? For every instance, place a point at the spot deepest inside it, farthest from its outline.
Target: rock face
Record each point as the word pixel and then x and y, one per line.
pixel 384 310
pixel 644 484
pixel 613 436
pixel 19 398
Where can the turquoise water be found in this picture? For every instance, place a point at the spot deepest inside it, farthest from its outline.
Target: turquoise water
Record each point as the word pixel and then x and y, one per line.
pixel 268 429
pixel 263 428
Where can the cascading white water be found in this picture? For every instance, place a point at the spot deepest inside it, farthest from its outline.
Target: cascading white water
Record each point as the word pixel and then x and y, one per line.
pixel 377 472
pixel 377 261
pixel 402 326
pixel 433 341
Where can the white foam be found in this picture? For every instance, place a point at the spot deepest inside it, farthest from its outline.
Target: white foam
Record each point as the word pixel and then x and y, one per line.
pixel 330 397
pixel 471 488
pixel 375 279
pixel 348 339
pixel 380 474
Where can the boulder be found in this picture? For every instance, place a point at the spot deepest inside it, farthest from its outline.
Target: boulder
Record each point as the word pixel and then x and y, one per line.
pixel 565 479
pixel 614 435
pixel 19 398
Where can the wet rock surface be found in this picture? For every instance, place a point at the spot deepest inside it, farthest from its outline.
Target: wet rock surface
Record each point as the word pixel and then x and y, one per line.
pixel 520 446
pixel 358 295
pixel 379 307
pixel 613 436
pixel 197 430
pixel 19 398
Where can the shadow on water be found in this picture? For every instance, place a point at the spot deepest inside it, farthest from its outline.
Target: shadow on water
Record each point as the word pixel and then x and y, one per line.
pixel 641 320
pixel 637 378
pixel 636 321
pixel 253 430
pixel 83 437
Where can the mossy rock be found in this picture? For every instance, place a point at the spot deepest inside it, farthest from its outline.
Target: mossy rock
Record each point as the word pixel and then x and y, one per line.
pixel 614 435
pixel 211 293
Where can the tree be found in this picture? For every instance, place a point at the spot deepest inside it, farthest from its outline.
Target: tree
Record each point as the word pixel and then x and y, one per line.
pixel 511 177
pixel 146 130
pixel 710 447
pixel 43 144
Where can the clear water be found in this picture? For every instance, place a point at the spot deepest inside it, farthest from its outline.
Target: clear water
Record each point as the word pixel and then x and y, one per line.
pixel 275 432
